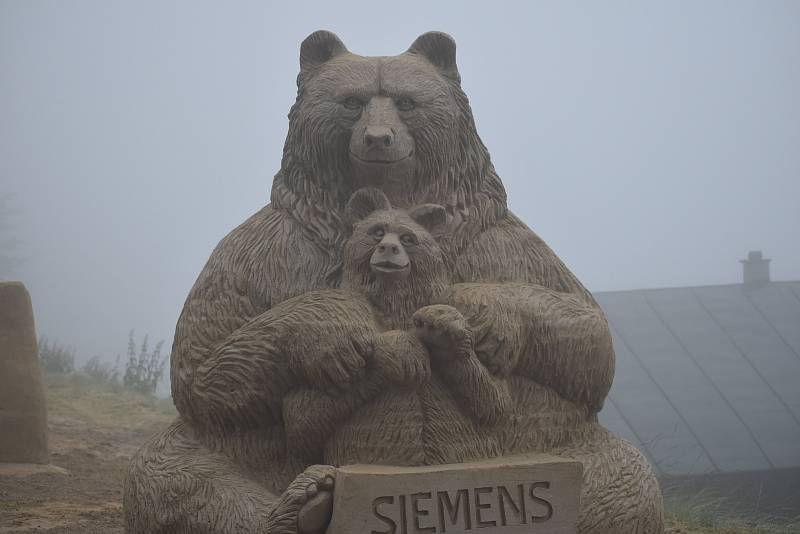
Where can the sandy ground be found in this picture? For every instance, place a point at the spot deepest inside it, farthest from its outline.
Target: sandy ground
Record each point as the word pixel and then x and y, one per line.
pixel 93 435
pixel 85 499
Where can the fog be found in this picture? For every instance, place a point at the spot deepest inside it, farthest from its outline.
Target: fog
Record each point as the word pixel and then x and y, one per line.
pixel 650 144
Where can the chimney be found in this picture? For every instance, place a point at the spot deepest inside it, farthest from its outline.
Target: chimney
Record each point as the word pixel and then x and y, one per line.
pixel 755 269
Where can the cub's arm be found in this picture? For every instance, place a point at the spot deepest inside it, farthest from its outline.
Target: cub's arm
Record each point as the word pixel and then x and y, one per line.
pixel 531 316
pixel 448 337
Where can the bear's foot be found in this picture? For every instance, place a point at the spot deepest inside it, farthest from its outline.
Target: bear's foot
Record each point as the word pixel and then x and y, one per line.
pixel 306 505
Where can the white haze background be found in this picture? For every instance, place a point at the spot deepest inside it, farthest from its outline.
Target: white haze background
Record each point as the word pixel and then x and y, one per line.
pixel 650 144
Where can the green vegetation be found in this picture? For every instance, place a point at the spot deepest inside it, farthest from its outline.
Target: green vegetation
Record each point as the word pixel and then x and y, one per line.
pixel 704 512
pixel 56 358
pixel 144 368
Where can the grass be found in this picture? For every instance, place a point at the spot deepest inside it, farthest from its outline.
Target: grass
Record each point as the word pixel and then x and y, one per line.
pixel 79 397
pixel 705 512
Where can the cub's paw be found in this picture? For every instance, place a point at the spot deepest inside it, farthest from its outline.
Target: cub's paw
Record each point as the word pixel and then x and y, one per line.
pixel 444 330
pixel 307 504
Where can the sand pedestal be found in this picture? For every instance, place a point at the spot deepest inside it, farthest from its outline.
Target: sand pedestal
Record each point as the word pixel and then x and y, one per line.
pixel 23 416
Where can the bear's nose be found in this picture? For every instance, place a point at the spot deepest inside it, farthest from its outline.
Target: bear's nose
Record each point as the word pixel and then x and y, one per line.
pixel 378 136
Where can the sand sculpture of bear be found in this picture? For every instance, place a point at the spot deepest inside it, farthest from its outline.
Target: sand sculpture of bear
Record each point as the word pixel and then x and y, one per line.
pixel 401 124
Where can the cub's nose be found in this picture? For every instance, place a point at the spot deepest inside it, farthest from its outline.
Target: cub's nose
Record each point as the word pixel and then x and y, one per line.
pixel 391 249
pixel 390 258
pixel 378 136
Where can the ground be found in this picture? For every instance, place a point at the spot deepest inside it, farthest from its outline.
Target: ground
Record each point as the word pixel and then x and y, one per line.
pixel 95 429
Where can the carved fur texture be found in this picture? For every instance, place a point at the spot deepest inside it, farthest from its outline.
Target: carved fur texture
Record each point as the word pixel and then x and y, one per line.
pixel 250 328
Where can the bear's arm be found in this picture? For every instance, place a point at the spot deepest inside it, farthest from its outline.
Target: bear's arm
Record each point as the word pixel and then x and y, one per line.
pixel 247 377
pixel 531 312
pixel 261 263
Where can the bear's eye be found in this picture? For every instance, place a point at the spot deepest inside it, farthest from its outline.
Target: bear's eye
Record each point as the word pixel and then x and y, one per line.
pixel 377 232
pixel 408 239
pixel 405 104
pixel 352 103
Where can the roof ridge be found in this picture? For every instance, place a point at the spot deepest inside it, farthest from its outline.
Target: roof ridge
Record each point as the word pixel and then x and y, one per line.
pixel 663 288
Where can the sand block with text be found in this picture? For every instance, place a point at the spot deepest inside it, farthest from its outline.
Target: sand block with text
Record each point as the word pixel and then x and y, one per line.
pixel 532 493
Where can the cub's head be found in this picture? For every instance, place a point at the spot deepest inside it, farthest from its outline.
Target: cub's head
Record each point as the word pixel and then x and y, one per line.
pixel 392 250
pixel 401 124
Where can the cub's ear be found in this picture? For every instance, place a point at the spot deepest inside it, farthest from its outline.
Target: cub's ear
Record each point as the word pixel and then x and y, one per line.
pixel 366 201
pixel 440 49
pixel 429 216
pixel 318 48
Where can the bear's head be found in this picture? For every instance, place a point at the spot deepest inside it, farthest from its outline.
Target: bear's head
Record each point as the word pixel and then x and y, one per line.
pixel 401 124
pixel 392 256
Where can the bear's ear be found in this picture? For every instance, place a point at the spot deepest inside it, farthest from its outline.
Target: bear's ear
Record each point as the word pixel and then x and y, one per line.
pixel 429 216
pixel 440 49
pixel 318 48
pixel 366 201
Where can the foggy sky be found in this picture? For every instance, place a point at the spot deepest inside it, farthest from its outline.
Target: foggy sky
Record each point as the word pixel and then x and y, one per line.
pixel 650 144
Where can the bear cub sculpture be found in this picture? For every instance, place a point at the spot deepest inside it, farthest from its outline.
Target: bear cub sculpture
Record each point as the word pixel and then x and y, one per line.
pixel 393 262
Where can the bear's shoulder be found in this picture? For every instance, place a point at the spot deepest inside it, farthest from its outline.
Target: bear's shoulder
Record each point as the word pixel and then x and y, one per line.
pixel 270 256
pixel 509 251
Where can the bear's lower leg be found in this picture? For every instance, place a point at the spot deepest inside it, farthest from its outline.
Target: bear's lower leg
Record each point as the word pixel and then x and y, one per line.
pixel 176 485
pixel 620 492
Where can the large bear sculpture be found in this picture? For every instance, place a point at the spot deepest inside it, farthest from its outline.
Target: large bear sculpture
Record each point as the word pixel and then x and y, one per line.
pixel 401 125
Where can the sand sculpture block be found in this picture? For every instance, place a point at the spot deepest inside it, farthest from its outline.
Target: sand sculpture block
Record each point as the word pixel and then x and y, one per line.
pixel 505 496
pixel 23 416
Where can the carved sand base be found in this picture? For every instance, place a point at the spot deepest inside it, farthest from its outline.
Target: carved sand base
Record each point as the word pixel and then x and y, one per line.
pixel 512 495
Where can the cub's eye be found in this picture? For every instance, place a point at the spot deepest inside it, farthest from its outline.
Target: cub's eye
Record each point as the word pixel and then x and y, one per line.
pixel 408 239
pixel 405 104
pixel 377 232
pixel 352 103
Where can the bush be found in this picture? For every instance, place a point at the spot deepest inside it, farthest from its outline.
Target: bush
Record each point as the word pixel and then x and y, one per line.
pixel 144 368
pixel 102 372
pixel 56 358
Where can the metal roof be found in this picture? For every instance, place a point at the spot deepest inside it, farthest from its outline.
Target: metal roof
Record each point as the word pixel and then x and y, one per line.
pixel 707 378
